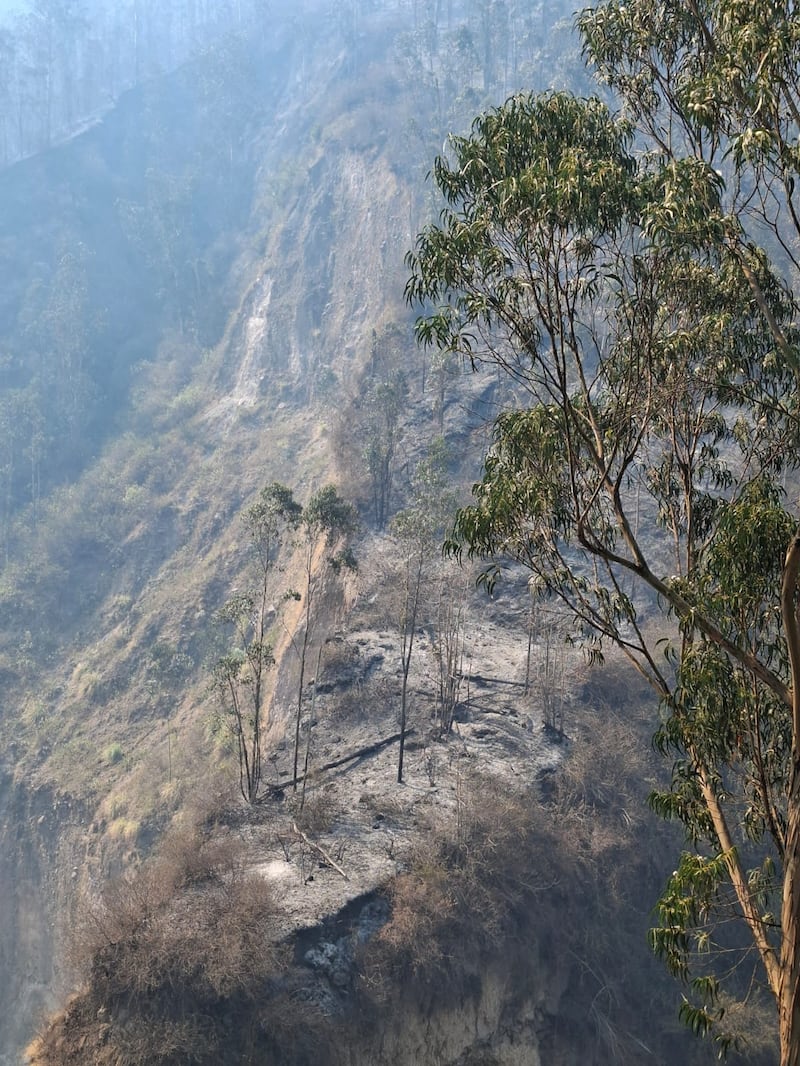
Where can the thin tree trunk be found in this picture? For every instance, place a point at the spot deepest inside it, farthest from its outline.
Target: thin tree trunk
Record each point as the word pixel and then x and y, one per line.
pixel 403 704
pixel 739 880
pixel 530 647
pixel 789 991
pixel 405 654
pixel 303 653
pixel 308 733
pixel 299 706
pixel 789 996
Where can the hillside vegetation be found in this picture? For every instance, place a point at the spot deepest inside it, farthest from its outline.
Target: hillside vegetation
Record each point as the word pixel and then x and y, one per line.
pixel 203 296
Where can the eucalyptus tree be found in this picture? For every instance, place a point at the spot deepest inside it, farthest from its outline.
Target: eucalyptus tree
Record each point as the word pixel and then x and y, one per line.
pixel 717 83
pixel 418 529
pixel 654 350
pixel 381 412
pixel 324 523
pixel 239 677
pixel 372 427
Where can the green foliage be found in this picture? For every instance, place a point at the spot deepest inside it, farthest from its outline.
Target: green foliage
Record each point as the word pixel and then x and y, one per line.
pixel 329 518
pixel 372 426
pixel 432 502
pixel 344 560
pixel 239 677
pixel 709 66
pixel 382 408
pixel 271 520
pixel 114 754
pixel 328 515
pixel 655 348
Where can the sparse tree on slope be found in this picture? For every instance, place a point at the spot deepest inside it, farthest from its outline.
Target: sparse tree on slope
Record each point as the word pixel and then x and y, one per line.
pixel 656 349
pixel 326 520
pixel 382 409
pixel 239 678
pixel 418 528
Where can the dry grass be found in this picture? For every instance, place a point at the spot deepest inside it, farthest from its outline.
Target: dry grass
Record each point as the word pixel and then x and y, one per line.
pixel 356 704
pixel 164 949
pixel 315 812
pixel 470 884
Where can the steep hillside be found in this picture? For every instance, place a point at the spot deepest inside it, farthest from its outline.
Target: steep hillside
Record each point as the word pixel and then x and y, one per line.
pixel 246 314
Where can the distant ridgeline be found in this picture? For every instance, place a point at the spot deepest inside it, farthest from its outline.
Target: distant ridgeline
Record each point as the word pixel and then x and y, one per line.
pixel 112 246
pixel 119 241
pixel 63 63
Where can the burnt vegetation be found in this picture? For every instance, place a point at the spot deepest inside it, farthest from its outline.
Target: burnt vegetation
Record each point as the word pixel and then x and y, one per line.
pixel 183 960
pixel 173 953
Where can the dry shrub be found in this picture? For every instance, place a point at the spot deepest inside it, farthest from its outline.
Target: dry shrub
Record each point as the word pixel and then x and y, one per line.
pixel 561 885
pixel 361 702
pixel 190 855
pixel 316 811
pixel 178 1040
pixel 610 767
pixel 475 885
pixel 220 937
pixel 208 922
pixel 411 943
pixel 598 804
pixel 186 938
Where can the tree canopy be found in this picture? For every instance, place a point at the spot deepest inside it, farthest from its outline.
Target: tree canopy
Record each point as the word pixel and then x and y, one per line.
pixel 632 272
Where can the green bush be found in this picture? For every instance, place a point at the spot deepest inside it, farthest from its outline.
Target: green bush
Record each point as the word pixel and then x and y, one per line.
pixel 114 754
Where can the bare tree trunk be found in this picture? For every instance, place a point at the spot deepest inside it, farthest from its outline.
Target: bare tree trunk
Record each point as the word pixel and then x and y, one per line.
pixel 410 610
pixel 750 912
pixel 403 717
pixel 789 990
pixel 308 732
pixel 449 648
pixel 530 648
pixel 789 996
pixel 303 653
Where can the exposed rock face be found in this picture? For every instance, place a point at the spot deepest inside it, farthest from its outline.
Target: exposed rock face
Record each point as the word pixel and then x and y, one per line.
pixel 497 1018
pixel 485 1029
pixel 42 844
pixel 498 1010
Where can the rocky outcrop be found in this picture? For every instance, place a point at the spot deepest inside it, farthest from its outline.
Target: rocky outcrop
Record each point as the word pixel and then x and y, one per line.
pixel 42 845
